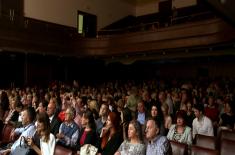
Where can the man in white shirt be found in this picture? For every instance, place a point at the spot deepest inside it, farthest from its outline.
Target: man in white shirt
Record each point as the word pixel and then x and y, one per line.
pixel 201 124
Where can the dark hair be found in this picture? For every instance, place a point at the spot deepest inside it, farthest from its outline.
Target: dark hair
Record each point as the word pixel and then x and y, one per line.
pixel 199 107
pixel 232 106
pixel 31 113
pixel 160 117
pixel 181 114
pixel 91 121
pixel 44 118
pixel 44 103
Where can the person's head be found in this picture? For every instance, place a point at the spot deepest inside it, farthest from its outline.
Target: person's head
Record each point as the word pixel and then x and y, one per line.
pixel 154 111
pixel 198 110
pixel 135 130
pixel 43 125
pixel 165 109
pixel 162 96
pixel 113 121
pixel 51 108
pixel 140 106
pixel 93 105
pixel 184 95
pixel 88 120
pixel 152 129
pixel 229 107
pixel 211 100
pixel 181 116
pixel 28 116
pixel 42 107
pixel 189 106
pixel 13 104
pixel 120 105
pixel 104 110
pixel 69 114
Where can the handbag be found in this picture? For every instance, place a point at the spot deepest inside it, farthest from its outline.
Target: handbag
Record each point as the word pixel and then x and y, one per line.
pixel 22 149
pixel 88 149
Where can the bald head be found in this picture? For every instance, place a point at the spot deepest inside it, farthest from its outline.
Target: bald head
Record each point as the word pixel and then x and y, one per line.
pixel 51 108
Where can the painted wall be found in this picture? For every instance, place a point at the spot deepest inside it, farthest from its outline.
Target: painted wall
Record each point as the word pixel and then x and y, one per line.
pixel 148 8
pixel 183 3
pixel 64 12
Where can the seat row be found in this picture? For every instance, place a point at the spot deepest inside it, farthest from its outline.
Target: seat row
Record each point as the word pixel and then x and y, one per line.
pixel 207 145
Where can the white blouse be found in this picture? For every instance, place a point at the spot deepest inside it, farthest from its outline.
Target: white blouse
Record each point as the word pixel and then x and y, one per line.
pixel 49 147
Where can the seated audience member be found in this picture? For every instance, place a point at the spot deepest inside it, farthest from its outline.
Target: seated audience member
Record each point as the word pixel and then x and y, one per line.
pixel 65 104
pixel 157 144
pixel 69 131
pixel 190 115
pixel 111 137
pixel 134 145
pixel 13 114
pixel 180 132
pixel 28 129
pixel 227 119
pixel 54 121
pixel 126 116
pixel 88 133
pixel 132 100
pixel 47 139
pixel 211 111
pixel 201 124
pixel 141 115
pixel 42 107
pixel 103 113
pixel 4 104
pixel 157 114
pixel 167 117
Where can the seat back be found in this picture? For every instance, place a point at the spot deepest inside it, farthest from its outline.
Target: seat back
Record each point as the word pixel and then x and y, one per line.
pixel 206 141
pixel 60 150
pixel 6 133
pixel 226 134
pixel 179 148
pixel 197 150
pixel 227 147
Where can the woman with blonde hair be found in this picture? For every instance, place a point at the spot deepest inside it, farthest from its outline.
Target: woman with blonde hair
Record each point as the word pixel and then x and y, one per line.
pixel 166 116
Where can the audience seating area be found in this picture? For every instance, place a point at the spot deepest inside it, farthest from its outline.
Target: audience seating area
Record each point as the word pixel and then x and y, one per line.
pixel 5 135
pixel 206 145
pixel 59 150
pixel 207 142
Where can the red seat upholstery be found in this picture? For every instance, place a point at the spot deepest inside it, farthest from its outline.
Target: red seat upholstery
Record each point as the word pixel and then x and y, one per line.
pixel 6 132
pixel 197 150
pixel 60 150
pixel 206 141
pixel 227 147
pixel 179 148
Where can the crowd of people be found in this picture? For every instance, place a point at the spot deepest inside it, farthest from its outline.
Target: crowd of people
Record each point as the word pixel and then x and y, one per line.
pixel 117 117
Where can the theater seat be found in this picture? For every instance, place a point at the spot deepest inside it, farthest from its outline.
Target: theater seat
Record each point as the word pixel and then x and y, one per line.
pixel 60 150
pixel 227 147
pixel 6 132
pixel 179 148
pixel 204 141
pixel 226 134
pixel 197 150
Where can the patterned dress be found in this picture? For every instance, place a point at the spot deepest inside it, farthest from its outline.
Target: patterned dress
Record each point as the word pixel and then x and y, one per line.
pixel 126 148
